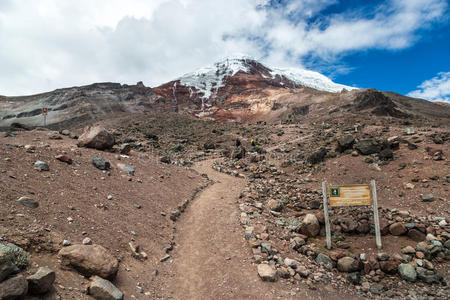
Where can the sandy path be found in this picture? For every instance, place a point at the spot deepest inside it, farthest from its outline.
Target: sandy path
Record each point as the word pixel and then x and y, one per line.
pixel 211 259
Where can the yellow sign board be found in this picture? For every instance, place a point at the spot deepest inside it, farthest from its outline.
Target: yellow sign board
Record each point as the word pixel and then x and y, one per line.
pixel 349 195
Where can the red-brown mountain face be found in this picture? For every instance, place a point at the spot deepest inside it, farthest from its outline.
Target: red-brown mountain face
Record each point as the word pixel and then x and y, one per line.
pixel 239 88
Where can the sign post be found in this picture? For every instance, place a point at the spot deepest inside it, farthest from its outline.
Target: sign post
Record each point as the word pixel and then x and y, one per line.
pixel 44 113
pixel 325 214
pixel 351 195
pixel 375 214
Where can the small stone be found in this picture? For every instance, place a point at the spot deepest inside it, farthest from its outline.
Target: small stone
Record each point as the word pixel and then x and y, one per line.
pixel 87 241
pixel 427 198
pixel 408 250
pixel 274 205
pixel 354 278
pixel 66 243
pixel 126 168
pixel 64 158
pixel 382 256
pixel 28 202
pixel 102 289
pixel 41 166
pixel 267 273
pixel 165 258
pixel 397 229
pixel 310 226
pixel 323 259
pixel 100 163
pixel 416 235
pixel 407 272
pixel 347 264
pixel 109 197
pixel 41 281
pixel 303 271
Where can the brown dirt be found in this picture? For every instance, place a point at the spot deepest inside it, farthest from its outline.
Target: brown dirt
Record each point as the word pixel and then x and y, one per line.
pixel 211 259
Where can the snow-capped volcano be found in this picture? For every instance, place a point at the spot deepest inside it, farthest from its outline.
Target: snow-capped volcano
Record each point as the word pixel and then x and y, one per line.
pixel 240 81
pixel 209 80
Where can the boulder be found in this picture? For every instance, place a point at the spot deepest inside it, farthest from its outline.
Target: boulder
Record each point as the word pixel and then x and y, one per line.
pixel 14 288
pixel 317 156
pixel 267 273
pixel 347 264
pixel 345 143
pixel 28 202
pixel 7 268
pixel 310 226
pixel 96 137
pixel 90 260
pixel 407 272
pixel 100 163
pixel 102 289
pixel 368 146
pixel 41 281
pixel 397 229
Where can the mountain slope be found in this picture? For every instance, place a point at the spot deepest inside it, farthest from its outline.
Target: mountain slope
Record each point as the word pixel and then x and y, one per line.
pixel 213 84
pixel 85 102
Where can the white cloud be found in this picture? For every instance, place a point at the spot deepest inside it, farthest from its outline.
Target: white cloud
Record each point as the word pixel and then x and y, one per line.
pixel 434 89
pixel 49 44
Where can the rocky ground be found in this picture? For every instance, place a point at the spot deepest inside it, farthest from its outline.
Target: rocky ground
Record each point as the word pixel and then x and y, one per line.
pixel 181 208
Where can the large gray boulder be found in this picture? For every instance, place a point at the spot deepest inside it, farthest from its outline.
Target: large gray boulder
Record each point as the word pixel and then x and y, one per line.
pixel 13 288
pixel 90 260
pixel 41 281
pixel 102 289
pixel 96 137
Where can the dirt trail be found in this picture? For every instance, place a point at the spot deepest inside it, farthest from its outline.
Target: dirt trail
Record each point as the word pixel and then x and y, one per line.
pixel 211 259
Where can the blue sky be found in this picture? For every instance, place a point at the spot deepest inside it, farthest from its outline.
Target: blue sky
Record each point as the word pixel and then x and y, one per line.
pixel 395 45
pixel 398 70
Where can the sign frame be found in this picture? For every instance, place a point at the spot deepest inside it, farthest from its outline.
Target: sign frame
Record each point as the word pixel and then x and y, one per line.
pixel 374 204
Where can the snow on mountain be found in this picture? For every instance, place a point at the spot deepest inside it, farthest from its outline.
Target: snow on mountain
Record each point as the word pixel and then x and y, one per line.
pixel 209 80
pixel 311 79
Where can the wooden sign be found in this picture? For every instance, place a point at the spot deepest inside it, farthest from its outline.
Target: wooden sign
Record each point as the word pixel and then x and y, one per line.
pixel 44 111
pixel 349 195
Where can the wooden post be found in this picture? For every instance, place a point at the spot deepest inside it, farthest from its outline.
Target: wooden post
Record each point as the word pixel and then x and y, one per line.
pixel 325 214
pixel 375 214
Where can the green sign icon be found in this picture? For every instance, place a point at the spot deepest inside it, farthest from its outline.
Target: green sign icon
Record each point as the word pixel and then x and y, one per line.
pixel 335 192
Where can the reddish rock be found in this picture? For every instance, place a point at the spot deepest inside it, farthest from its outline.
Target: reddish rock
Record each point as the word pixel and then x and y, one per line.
pixel 389 266
pixel 397 229
pixel 90 260
pixel 416 235
pixel 96 137
pixel 64 158
pixel 384 227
